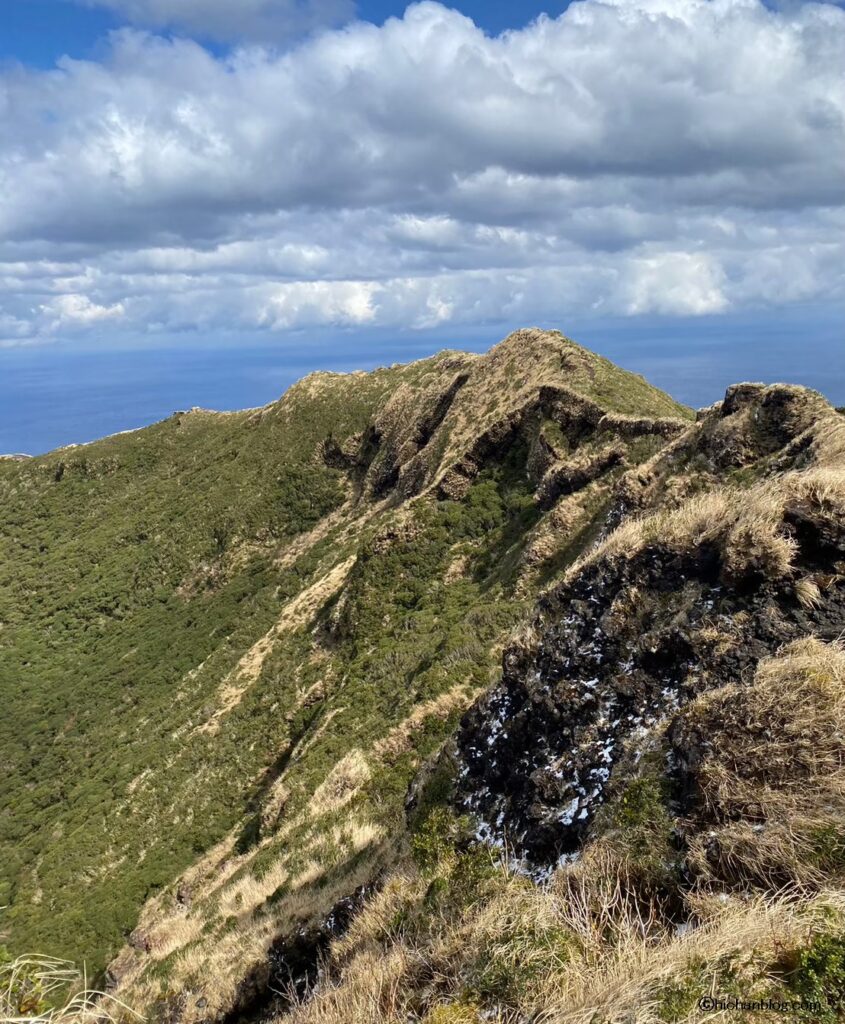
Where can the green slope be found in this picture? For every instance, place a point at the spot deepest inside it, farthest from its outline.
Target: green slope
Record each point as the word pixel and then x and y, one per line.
pixel 251 629
pixel 116 582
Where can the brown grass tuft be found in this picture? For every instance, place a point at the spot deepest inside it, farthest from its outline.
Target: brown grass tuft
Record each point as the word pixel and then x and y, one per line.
pixel 808 593
pixel 341 784
pixel 748 525
pixel 577 951
pixel 769 766
pixel 46 990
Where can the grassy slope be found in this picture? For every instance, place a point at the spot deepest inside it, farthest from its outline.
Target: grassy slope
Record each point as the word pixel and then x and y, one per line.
pixel 136 574
pixel 98 646
pixel 527 359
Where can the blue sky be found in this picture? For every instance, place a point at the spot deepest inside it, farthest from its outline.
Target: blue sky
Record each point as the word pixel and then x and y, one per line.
pixel 203 200
pixel 39 32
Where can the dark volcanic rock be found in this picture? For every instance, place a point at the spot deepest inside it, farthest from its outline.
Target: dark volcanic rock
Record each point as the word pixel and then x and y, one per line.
pixel 293 964
pixel 623 645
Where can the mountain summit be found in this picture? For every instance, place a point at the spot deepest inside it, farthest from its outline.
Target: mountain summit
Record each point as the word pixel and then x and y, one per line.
pixel 486 685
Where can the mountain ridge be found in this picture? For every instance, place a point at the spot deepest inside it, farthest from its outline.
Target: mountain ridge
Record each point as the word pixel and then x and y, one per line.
pixel 269 651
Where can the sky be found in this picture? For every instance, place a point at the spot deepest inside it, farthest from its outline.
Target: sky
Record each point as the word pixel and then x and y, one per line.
pixel 200 201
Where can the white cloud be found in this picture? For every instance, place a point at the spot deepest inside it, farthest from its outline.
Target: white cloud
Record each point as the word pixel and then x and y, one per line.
pixel 306 303
pixel 674 283
pixel 634 157
pixel 72 310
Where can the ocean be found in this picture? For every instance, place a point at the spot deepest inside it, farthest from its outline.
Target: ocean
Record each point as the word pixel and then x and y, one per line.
pixel 58 394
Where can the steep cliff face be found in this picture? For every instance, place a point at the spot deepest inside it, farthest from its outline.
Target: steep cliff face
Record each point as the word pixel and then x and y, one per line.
pixel 737 550
pixel 646 814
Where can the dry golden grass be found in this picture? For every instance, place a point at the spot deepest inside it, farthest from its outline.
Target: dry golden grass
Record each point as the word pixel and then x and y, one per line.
pixel 624 980
pixel 457 569
pixel 592 945
pixel 375 992
pixel 356 835
pixel 217 968
pixel 297 612
pixel 494 390
pixel 746 524
pixel 228 927
pixel 273 805
pixel 772 771
pixel 217 965
pixel 512 374
pixel 828 439
pixel 399 739
pixel 341 784
pixel 570 514
pixel 308 875
pixel 45 990
pixel 579 950
pixel 808 592
pixel 172 933
pixel 249 892
pixel 720 638
pixel 628 425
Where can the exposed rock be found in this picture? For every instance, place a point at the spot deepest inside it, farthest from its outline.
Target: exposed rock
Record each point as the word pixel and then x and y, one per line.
pixel 346 453
pixel 139 940
pixel 617 649
pixel 574 474
pixel 636 634
pixel 641 426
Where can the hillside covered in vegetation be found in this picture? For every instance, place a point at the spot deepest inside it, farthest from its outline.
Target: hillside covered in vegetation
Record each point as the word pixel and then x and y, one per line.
pixel 472 689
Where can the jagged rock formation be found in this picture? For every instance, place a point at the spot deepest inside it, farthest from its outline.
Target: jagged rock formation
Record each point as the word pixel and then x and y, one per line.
pixel 668 607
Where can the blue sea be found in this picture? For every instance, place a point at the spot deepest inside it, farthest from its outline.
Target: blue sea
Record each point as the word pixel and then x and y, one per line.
pixel 58 394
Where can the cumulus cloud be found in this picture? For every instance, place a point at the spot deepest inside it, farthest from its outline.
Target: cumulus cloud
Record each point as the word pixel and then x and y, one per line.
pixel 674 282
pixel 78 309
pixel 629 157
pixel 264 21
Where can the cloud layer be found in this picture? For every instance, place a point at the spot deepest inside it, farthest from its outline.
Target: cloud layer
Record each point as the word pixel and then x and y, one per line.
pixel 633 156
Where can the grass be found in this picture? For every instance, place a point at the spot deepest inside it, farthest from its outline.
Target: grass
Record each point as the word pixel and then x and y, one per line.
pixel 636 826
pixel 576 951
pixel 772 790
pixel 226 658
pixel 127 598
pixel 747 525
pixel 322 711
pixel 45 990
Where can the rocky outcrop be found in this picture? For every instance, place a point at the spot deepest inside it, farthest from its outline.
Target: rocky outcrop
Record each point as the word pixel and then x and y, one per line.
pixel 614 651
pixel 641 426
pixel 591 442
pixel 679 606
pixel 572 475
pixel 403 431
